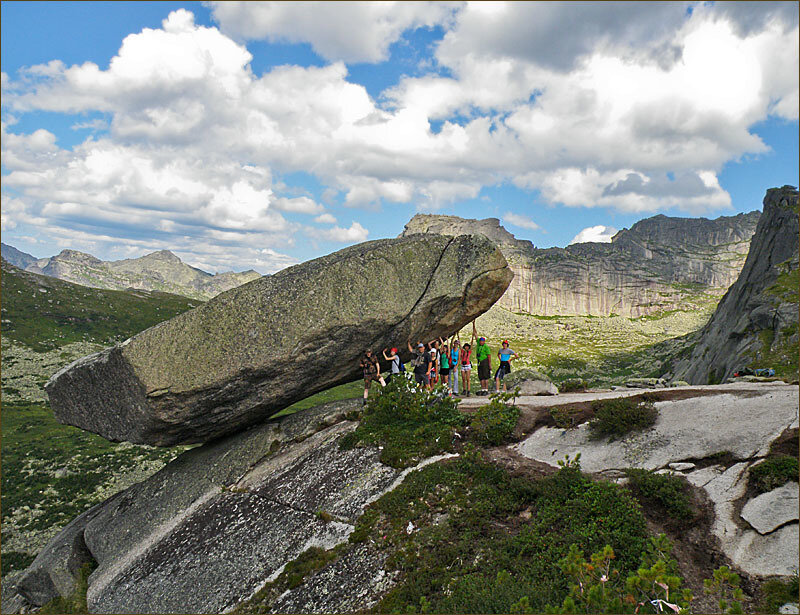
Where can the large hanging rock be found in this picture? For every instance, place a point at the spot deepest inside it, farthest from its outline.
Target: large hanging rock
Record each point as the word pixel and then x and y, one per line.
pixel 258 348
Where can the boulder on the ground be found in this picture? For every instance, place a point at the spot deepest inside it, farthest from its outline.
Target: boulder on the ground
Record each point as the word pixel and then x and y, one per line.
pixel 768 511
pixel 253 350
pixel 530 382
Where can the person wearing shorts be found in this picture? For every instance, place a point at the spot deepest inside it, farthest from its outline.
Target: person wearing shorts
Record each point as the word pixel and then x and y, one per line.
pixel 466 368
pixel 484 356
pixel 422 365
pixel 505 355
pixel 372 371
pixel 444 365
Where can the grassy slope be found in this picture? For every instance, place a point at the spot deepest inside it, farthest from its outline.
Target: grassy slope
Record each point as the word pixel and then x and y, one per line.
pixel 46 313
pixel 602 350
pixel 53 472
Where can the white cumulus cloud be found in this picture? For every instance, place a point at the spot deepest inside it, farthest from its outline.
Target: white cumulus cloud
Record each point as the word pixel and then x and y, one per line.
pixel 520 220
pixel 599 233
pixel 348 31
pixel 355 234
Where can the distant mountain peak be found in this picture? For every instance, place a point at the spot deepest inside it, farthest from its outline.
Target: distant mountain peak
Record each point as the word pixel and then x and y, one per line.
pixel 163 255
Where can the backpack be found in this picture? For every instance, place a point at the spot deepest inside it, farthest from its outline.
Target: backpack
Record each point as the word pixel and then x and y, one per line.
pixel 400 366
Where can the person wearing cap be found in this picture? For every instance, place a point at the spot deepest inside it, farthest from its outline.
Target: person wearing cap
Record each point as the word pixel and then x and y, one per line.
pixel 422 364
pixel 394 359
pixel 505 355
pixel 484 356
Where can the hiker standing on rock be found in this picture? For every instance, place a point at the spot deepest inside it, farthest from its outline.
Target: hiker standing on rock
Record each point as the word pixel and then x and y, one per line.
pixel 466 367
pixel 484 356
pixel 444 365
pixel 394 359
pixel 455 353
pixel 372 371
pixel 433 349
pixel 505 354
pixel 422 365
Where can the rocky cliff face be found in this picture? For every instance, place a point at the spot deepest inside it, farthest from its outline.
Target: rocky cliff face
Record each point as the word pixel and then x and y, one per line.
pixel 659 264
pixel 250 352
pixel 157 271
pixel 755 323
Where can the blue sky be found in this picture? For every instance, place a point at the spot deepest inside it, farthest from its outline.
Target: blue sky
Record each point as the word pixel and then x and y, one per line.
pixel 258 135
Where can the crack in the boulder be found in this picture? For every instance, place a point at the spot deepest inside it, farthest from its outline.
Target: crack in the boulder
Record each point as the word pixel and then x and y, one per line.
pixel 428 285
pixel 776 528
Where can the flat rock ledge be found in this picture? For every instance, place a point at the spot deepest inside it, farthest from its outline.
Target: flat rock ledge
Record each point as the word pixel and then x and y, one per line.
pixel 742 421
pixel 252 351
pixel 768 511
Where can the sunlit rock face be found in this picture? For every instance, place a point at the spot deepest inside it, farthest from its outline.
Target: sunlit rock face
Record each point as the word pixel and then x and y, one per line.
pixel 251 351
pixel 661 263
pixel 755 323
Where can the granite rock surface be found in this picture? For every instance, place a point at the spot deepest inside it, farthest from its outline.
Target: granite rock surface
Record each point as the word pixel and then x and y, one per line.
pixel 256 349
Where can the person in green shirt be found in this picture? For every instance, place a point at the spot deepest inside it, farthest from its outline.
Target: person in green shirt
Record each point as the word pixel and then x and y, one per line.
pixel 484 356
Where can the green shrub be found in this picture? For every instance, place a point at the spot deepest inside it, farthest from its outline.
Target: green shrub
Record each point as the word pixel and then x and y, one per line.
pixel 724 585
pixel 597 585
pixel 494 422
pixel 564 418
pixel 409 423
pixel 665 491
pixel 777 592
pixel 467 551
pixel 620 416
pixel 774 472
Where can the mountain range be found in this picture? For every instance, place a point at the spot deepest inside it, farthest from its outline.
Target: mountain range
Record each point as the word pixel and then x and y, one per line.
pixel 162 271
pixel 660 264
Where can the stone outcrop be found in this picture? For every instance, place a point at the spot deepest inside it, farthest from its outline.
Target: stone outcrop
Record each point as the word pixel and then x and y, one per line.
pixel 160 270
pixel 741 422
pixel 769 511
pixel 755 323
pixel 660 263
pixel 250 352
pixel 207 530
pixel 530 382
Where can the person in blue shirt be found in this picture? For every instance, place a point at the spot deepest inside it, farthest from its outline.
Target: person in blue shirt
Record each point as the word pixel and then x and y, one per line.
pixel 455 364
pixel 506 355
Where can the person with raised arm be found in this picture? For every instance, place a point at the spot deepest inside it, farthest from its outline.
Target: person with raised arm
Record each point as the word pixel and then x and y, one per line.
pixel 484 357
pixel 421 363
pixel 455 363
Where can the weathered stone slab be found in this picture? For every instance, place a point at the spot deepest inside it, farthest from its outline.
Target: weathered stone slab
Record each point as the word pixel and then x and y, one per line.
pixel 253 350
pixel 769 511
pixel 775 554
pixel 228 542
pixel 691 428
pixel 354 583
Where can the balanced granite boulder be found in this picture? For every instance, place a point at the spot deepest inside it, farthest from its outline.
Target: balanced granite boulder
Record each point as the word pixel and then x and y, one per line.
pixel 255 349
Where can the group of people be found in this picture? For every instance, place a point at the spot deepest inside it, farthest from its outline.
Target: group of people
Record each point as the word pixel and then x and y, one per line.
pixel 441 361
